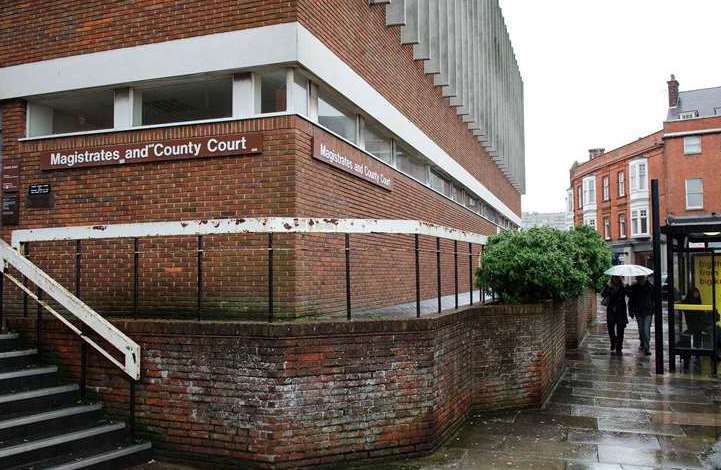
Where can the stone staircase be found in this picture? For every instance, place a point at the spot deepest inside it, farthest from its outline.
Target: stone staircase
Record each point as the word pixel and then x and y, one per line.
pixel 44 424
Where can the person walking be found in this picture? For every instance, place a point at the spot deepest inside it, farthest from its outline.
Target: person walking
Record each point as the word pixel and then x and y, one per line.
pixel 695 323
pixel 640 305
pixel 614 297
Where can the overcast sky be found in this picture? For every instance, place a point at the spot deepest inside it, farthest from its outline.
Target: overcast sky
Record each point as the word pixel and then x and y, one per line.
pixel 595 75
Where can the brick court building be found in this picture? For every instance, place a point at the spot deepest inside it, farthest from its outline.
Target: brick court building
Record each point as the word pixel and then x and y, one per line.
pixel 167 111
pixel 232 160
pixel 611 191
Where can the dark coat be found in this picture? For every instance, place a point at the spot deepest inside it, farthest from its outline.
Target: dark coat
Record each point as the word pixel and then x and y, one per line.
pixel 616 308
pixel 640 299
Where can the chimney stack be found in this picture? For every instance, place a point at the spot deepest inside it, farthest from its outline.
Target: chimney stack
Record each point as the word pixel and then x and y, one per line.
pixel 672 92
pixel 593 153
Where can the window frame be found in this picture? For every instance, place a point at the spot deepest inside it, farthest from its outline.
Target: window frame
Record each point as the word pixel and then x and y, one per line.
pixel 687 150
pixel 606 187
pixel 140 93
pixel 607 227
pixel 637 222
pixel 621 184
pixel 589 190
pixel 579 195
pixel 379 131
pixel 342 105
pixel 686 194
pixel 635 171
pixel 622 225
pixel 41 113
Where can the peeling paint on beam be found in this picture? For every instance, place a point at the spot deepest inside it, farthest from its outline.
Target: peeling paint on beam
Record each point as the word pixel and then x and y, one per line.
pixel 245 225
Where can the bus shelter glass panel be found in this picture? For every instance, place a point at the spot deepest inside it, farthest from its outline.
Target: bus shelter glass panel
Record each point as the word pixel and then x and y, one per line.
pixel 695 319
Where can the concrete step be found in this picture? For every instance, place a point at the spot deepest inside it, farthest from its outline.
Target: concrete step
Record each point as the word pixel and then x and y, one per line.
pixel 99 438
pixel 28 378
pixel 17 359
pixel 41 399
pixel 121 457
pixel 9 342
pixel 36 424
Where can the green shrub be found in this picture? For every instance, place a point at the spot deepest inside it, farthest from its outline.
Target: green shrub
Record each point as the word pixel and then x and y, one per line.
pixel 543 263
pixel 591 253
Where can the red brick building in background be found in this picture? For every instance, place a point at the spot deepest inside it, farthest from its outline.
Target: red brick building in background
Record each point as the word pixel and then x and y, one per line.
pixel 611 191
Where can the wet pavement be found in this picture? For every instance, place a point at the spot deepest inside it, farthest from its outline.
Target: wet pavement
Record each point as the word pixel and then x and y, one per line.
pixel 608 412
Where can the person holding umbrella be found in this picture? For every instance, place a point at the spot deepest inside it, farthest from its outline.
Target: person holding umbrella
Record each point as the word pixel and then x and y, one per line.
pixel 640 305
pixel 614 298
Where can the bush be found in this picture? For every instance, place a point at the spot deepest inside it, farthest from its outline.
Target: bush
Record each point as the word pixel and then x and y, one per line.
pixel 543 263
pixel 591 254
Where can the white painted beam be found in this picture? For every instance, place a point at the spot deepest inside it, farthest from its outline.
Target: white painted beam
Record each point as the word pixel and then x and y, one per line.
pixel 244 225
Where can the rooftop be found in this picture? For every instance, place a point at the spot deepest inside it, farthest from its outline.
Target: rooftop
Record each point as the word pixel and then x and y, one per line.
pixel 704 101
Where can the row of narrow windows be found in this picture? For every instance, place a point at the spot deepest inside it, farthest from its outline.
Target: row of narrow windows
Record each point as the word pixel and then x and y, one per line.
pixel 285 90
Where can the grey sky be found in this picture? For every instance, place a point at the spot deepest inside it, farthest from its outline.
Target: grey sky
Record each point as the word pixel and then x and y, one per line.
pixel 595 76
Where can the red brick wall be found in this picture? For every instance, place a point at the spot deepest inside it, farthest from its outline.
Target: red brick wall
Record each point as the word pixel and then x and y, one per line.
pixel 355 31
pixel 357 34
pixel 309 274
pixel 287 395
pixel 579 314
pixel 46 29
pixel 678 167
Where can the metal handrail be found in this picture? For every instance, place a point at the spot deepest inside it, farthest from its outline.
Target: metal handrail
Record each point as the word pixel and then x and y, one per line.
pixel 106 330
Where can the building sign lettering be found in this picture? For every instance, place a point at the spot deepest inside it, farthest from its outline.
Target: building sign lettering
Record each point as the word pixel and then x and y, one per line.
pixel 345 157
pixel 205 147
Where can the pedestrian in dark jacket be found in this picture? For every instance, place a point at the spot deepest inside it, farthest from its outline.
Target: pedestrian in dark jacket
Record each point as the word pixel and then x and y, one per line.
pixel 640 305
pixel 614 295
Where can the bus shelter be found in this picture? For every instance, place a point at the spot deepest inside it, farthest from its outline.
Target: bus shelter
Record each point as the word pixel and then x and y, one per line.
pixel 693 245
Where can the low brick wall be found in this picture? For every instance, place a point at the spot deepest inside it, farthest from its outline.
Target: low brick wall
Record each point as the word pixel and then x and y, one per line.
pixel 302 394
pixel 579 314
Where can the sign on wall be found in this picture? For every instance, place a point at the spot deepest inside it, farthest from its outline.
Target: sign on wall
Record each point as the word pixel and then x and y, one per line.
pixel 10 209
pixel 11 176
pixel 39 196
pixel 341 155
pixel 167 150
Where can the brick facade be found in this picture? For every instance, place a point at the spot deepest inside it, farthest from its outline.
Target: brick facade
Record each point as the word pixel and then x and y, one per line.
pixel 353 30
pixel 677 166
pixel 288 395
pixel 282 181
pixel 374 51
